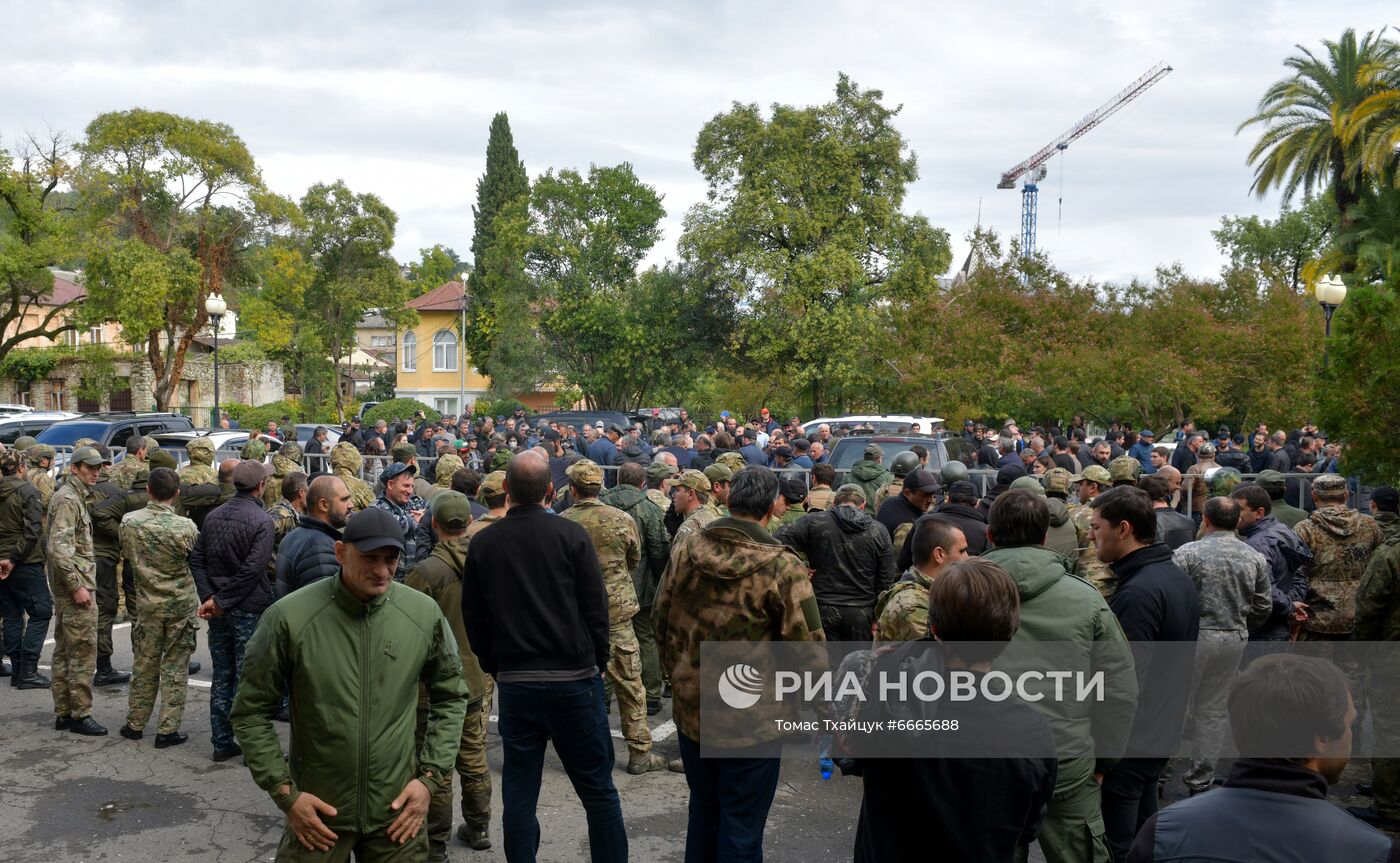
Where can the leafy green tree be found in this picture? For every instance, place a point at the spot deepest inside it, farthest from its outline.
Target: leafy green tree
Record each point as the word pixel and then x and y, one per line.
pixel 434 267
pixel 497 285
pixel 35 234
pixel 348 237
pixel 1357 397
pixel 175 207
pixel 1278 251
pixel 803 218
pixel 274 311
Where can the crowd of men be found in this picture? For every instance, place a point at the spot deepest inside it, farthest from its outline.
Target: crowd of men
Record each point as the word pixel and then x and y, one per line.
pixel 385 593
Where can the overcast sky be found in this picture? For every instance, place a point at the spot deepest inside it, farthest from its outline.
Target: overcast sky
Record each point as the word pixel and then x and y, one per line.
pixel 396 98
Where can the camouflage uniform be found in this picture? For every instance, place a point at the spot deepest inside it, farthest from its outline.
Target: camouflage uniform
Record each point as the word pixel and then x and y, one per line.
pixel 1378 619
pixel 253 450
pixel 1341 541
pixel 287 461
pixel 124 472
pixel 902 610
pixel 201 467
pixel 404 516
pixel 655 551
pixel 820 498
pixel 619 550
pixel 72 565
pixel 732 460
pixel 732 581
pixel 447 465
pixel 658 497
pixel 284 521
pixel 40 479
pixel 345 463
pixel 1196 474
pixel 157 544
pixel 893 489
pixel 1088 566
pixel 701 515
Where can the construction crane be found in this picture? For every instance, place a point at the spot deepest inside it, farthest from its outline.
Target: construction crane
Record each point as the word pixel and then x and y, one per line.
pixel 1032 170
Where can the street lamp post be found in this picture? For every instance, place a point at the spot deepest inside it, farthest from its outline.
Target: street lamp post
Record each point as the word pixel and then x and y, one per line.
pixel 1330 292
pixel 462 366
pixel 215 307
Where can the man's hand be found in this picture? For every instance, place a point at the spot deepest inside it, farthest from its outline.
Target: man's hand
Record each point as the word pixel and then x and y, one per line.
pixel 304 817
pixel 209 609
pixel 1300 611
pixel 7 566
pixel 82 598
pixel 412 806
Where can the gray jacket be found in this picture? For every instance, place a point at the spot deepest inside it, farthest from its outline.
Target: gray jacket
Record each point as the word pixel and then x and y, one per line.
pixel 1232 579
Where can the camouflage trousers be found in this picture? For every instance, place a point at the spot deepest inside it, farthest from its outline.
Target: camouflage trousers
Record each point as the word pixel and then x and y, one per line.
pixel 651 659
pixel 1218 655
pixel 472 772
pixel 161 649
pixel 1385 722
pixel 1351 666
pixel 228 636
pixel 74 655
pixel 624 674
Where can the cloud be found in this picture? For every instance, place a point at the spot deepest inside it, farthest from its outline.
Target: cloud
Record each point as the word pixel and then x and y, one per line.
pixel 396 98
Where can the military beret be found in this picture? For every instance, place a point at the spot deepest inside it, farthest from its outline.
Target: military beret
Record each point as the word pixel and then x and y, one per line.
pixel 1330 484
pixel 1057 479
pixel 404 451
pixel 24 442
pixel 1270 481
pixel 1093 473
pixel 1125 467
pixel 493 483
pixel 1030 484
pixel 693 479
pixel 161 458
pixel 660 470
pixel 585 473
pixel 852 488
pixel 452 510
pixel 719 473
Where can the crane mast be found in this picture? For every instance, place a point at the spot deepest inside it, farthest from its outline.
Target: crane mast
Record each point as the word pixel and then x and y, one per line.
pixel 1032 170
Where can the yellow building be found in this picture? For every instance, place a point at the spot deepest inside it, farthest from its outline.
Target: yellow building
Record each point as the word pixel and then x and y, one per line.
pixel 432 363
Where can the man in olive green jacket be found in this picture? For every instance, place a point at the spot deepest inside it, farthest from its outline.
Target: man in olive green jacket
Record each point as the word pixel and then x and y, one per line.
pixel 353 650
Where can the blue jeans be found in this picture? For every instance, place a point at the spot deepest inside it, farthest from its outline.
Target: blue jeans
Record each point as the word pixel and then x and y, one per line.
pixel 571 715
pixel 729 803
pixel 25 592
pixel 228 636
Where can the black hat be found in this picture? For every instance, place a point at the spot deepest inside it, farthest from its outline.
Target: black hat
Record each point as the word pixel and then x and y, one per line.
pixel 1386 498
pixel 921 480
pixel 1009 474
pixel 794 490
pixel 373 528
pixel 962 488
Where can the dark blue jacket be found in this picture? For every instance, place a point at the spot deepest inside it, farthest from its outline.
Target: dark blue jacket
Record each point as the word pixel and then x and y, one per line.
pixel 753 455
pixel 683 456
pixel 307 554
pixel 1288 558
pixel 230 558
pixel 603 451
pixel 1142 451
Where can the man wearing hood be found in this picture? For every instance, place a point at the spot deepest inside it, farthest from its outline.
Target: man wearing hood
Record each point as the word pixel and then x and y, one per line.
pixel 345 464
pixel 852 562
pixel 960 509
pixel 901 613
pixel 1059 608
pixel 1060 536
pixel 869 473
pixel 1385 509
pixel 286 460
pixel 200 470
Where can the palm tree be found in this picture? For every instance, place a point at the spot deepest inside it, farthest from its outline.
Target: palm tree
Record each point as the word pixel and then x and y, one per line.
pixel 1312 136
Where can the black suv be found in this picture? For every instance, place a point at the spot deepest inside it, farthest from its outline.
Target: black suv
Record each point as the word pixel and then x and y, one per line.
pixel 112 429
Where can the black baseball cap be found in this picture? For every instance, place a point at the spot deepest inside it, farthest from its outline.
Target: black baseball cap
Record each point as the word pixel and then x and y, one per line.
pixel 1386 497
pixel 373 528
pixel 921 480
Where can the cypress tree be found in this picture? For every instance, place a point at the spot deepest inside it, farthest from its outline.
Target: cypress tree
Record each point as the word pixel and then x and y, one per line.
pixel 504 182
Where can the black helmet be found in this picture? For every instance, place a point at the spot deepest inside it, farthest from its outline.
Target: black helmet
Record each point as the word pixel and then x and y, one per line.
pixel 953 471
pixel 904 463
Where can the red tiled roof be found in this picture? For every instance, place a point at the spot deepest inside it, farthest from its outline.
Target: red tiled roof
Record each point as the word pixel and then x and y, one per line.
pixel 446 297
pixel 64 292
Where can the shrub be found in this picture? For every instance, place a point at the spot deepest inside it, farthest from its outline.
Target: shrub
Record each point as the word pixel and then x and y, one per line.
pixel 256 417
pixel 495 407
pixel 398 409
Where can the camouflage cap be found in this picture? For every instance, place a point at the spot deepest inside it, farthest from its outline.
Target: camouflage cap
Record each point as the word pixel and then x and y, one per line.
pixel 84 441
pixel 405 450
pixel 291 450
pixel 1271 481
pixel 200 444
pixel 1330 484
pixel 853 489
pixel 1125 467
pixel 1205 449
pixel 719 473
pixel 1030 484
pixel 1094 473
pixel 24 442
pixel 452 510
pixel 1057 479
pixel 10 461
pixel 731 460
pixel 585 473
pixel 493 483
pixel 253 450
pixel 661 470
pixel 693 479
pixel 161 458
pixel 39 451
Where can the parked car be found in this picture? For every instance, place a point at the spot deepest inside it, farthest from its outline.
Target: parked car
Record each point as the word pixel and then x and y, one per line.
pixel 113 429
pixel 846 451
pixel 579 419
pixel 305 430
pixel 11 408
pixel 227 443
pixel 17 425
pixel 896 424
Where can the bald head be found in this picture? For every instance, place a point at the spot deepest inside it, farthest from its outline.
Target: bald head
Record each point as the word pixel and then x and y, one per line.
pixel 527 478
pixel 226 470
pixel 1172 476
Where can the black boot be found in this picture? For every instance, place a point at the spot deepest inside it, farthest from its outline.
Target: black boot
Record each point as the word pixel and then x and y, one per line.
pixel 4 668
pixel 27 674
pixel 107 675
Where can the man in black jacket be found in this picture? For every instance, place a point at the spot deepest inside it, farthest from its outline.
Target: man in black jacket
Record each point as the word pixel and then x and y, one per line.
pixel 852 560
pixel 307 553
pixel 1288 558
pixel 960 509
pixel 536 615
pixel 229 563
pixel 906 507
pixel 23 587
pixel 1155 601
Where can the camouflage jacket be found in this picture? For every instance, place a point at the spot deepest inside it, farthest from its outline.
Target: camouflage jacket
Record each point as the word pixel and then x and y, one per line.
pixel 902 611
pixel 72 563
pixel 284 520
pixel 404 516
pixel 1378 599
pixel 651 530
pixel 698 518
pixel 44 484
pixel 732 581
pixel 1233 580
pixel 346 463
pixel 439 575
pixel 1389 524
pixel 820 498
pixel 201 467
pixel 124 472
pixel 157 543
pixel 619 550
pixel 1087 564
pixel 895 487
pixel 1341 541
pixel 272 491
pixel 658 497
pixel 480 524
